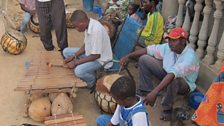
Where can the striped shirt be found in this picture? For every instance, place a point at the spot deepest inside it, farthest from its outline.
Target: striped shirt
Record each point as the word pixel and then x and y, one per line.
pixel 153 30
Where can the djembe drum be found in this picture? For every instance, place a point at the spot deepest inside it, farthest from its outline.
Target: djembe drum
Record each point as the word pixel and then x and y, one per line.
pixel 67 18
pixel 34 24
pixel 109 27
pixel 104 100
pixel 13 42
pixel 69 11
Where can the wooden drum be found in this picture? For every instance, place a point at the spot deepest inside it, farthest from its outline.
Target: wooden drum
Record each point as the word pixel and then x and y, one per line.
pixel 104 100
pixel 109 27
pixel 69 11
pixel 34 24
pixel 13 42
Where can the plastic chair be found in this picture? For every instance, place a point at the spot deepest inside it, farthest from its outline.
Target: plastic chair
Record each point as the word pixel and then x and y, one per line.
pixel 125 44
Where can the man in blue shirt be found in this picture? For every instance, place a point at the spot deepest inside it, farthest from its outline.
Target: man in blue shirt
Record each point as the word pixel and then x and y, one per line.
pixel 174 63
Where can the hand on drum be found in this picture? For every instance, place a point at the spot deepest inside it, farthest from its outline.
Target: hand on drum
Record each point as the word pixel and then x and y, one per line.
pixel 124 60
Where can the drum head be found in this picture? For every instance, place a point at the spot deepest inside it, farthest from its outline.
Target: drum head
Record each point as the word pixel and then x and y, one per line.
pixel 17 35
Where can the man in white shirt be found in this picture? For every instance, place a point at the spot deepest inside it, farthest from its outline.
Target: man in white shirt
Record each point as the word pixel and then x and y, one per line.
pixel 95 52
pixel 51 15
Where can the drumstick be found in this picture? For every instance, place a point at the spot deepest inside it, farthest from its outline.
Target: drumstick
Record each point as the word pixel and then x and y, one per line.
pixel 53 65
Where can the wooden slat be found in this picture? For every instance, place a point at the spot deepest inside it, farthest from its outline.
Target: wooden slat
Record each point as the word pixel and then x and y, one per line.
pixel 61 116
pixel 39 76
pixel 65 120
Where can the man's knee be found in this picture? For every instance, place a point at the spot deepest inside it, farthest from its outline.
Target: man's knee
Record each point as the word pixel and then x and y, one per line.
pixel 103 120
pixel 65 52
pixel 143 59
pixel 78 72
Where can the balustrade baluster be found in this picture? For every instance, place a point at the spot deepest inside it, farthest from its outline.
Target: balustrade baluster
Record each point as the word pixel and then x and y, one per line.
pixel 203 34
pixel 195 25
pixel 179 20
pixel 212 42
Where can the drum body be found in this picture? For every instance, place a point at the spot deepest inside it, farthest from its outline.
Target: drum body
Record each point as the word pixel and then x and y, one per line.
pixel 109 27
pixel 34 24
pixel 68 11
pixel 68 22
pixel 106 103
pixel 13 42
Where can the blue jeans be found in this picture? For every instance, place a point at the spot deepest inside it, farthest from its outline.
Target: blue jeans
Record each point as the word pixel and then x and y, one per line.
pixel 85 71
pixel 26 19
pixel 103 120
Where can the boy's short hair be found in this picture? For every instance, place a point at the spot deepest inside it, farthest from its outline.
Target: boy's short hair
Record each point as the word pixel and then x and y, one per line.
pixel 123 88
pixel 78 15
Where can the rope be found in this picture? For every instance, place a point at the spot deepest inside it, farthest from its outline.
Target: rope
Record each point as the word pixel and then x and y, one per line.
pixel 55 123
pixel 73 119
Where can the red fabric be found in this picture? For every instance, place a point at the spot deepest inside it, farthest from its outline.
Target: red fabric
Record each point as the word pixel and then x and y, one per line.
pixel 211 110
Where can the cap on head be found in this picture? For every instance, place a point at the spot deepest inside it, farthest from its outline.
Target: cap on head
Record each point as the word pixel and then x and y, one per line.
pixel 177 33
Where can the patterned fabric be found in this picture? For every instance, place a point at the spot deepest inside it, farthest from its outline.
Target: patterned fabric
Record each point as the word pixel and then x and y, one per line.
pixel 185 65
pixel 153 31
pixel 210 112
pixel 30 4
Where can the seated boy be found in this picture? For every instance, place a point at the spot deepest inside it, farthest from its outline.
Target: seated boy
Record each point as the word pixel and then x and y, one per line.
pixel 130 110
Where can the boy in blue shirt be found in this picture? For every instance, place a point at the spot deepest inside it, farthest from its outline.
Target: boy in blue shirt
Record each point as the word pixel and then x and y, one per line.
pixel 130 110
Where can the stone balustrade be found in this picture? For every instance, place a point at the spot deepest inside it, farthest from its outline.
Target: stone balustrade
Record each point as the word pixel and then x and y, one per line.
pixel 205 36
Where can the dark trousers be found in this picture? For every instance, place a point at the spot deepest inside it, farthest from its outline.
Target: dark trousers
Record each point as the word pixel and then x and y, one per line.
pixel 52 15
pixel 149 66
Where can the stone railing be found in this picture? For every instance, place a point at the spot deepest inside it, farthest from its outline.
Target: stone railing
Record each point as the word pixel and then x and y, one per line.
pixel 205 36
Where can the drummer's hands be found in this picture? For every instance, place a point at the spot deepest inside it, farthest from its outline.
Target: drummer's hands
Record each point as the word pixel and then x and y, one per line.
pixel 124 60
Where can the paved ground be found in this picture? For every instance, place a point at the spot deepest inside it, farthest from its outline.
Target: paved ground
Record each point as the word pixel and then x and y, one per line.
pixel 12 70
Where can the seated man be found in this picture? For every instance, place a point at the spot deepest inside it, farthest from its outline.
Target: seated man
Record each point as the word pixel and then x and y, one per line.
pixel 153 30
pixel 94 53
pixel 175 63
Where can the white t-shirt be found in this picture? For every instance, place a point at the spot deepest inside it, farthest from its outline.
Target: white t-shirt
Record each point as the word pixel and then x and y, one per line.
pixel 43 0
pixel 97 41
pixel 138 119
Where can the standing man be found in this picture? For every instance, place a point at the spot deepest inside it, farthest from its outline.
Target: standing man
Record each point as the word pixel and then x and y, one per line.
pixel 51 14
pixel 28 6
pixel 95 52
pixel 174 63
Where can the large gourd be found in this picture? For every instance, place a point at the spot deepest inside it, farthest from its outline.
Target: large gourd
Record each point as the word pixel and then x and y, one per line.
pixel 61 105
pixel 39 109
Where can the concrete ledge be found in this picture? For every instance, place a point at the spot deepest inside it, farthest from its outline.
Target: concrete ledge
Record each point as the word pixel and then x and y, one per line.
pixel 205 78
